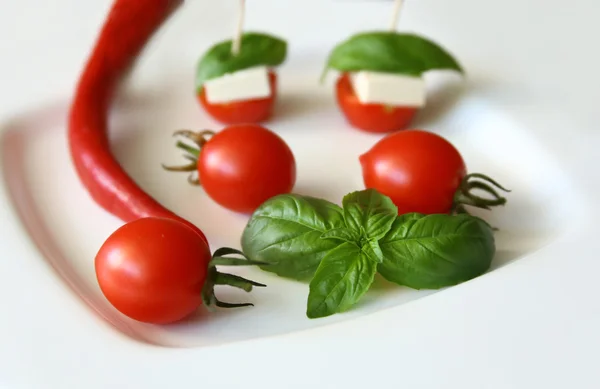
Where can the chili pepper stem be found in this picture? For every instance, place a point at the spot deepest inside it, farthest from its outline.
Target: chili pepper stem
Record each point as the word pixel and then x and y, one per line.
pixel 464 195
pixel 214 277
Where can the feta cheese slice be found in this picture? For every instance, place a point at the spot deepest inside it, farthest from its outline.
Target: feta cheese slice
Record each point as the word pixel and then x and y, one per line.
pixel 389 89
pixel 247 84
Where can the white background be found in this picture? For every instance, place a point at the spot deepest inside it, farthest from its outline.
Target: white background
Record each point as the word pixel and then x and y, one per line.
pixel 533 324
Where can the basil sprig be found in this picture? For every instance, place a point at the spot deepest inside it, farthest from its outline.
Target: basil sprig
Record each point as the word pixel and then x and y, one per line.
pixel 369 213
pixel 434 251
pixel 256 49
pixel 390 52
pixel 286 231
pixel 343 277
pixel 343 248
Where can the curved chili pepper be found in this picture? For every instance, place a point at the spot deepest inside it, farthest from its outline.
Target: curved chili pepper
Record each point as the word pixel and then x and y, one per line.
pixel 128 26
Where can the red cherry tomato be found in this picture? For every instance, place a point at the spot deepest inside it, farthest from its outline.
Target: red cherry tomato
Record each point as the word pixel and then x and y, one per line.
pixel 371 117
pixel 238 112
pixel 243 166
pixel 420 171
pixel 153 270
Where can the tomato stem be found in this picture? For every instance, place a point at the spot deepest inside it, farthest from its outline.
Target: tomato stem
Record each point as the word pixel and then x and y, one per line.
pixel 197 137
pixel 228 261
pixel 222 304
pixel 191 153
pixel 323 75
pixel 214 277
pixel 236 281
pixel 465 196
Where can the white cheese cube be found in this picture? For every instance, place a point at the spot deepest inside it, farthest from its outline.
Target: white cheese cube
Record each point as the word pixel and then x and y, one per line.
pixel 248 84
pixel 389 89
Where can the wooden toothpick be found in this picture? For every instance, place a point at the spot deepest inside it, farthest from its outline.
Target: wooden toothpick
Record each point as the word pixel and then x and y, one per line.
pixel 396 14
pixel 237 37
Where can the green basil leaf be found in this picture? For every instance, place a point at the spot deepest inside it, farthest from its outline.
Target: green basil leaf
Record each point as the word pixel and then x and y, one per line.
pixel 369 212
pixel 256 49
pixel 344 234
pixel 434 251
pixel 286 231
pixel 373 251
pixel 391 52
pixel 343 277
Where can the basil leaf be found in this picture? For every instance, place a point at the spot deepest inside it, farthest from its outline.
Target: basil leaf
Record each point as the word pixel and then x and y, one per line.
pixel 390 52
pixel 369 212
pixel 344 234
pixel 343 277
pixel 256 49
pixel 373 251
pixel 434 251
pixel 286 231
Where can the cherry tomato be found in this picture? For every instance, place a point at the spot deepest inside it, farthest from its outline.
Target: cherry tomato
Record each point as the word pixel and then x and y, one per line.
pixel 153 270
pixel 247 111
pixel 243 166
pixel 420 171
pixel 371 117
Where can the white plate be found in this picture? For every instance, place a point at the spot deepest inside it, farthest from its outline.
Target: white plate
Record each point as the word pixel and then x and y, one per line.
pixel 60 331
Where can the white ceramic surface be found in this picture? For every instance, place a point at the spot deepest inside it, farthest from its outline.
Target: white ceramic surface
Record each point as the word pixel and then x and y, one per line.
pixel 524 116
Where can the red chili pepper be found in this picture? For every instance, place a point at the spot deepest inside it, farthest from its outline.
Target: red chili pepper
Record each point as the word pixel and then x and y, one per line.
pixel 129 25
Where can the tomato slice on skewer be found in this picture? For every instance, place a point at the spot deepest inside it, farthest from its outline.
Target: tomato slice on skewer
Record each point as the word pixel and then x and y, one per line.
pixel 245 111
pixel 378 118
